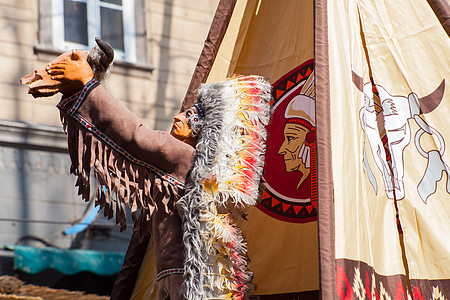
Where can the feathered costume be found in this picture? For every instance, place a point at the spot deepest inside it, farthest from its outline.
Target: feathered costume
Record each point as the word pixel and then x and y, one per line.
pixel 224 179
pixel 148 171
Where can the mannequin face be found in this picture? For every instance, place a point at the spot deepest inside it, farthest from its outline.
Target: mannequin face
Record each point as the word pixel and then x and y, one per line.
pixel 181 129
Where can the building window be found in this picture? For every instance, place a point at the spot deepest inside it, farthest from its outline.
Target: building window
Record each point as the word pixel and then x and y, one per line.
pixel 75 23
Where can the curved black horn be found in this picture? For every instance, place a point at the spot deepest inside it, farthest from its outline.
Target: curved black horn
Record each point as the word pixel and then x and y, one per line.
pixel 431 102
pixel 107 49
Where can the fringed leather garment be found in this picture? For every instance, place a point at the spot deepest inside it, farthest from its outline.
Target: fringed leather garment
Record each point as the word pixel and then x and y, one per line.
pixel 146 170
pixel 129 165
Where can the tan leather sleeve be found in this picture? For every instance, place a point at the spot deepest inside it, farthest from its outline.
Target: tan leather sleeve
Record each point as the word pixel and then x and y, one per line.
pixel 158 148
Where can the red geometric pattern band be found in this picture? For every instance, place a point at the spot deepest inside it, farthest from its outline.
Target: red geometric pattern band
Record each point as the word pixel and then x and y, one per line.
pixel 168 272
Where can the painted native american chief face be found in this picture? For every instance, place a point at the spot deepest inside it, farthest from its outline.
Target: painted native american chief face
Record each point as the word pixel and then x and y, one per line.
pixel 300 115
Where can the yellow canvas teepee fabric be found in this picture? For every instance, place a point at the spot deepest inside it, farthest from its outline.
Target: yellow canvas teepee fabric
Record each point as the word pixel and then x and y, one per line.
pixel 357 140
pixel 275 40
pixel 366 236
pixel 388 66
pixel 408 52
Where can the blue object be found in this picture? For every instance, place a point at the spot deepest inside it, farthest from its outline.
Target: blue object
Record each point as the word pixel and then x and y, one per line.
pixel 33 260
pixel 85 222
pixel 89 216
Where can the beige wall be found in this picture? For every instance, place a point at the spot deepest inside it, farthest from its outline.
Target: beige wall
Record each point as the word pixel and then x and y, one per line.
pixel 176 30
pixel 18 31
pixel 34 166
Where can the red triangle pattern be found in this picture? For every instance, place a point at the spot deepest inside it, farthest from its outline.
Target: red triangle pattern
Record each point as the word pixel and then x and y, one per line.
pixel 289 84
pixel 279 93
pixel 308 72
pixel 297 209
pixel 265 195
pixel 275 202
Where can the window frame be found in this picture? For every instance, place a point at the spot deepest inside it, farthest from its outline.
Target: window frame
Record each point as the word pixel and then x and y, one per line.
pixel 94 27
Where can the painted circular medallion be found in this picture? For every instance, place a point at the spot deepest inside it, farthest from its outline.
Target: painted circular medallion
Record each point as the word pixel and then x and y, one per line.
pixel 290 171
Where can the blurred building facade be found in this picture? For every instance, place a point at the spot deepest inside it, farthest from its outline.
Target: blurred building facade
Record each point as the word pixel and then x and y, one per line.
pixel 157 45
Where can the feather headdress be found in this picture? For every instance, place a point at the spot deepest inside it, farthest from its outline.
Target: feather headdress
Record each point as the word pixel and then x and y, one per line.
pixel 224 179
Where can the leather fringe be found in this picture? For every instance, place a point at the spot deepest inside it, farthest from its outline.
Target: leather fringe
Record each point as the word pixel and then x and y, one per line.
pixel 118 182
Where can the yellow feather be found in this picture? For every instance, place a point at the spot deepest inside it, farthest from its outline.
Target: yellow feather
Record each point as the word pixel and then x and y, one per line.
pixel 210 186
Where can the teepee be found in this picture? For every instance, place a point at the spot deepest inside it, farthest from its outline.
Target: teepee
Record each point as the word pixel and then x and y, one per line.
pixel 356 198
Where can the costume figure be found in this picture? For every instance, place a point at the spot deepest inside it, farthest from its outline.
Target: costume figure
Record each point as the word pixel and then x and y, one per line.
pixel 149 171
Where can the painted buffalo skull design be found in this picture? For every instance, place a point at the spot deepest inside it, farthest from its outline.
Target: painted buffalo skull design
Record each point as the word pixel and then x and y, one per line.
pixel 393 122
